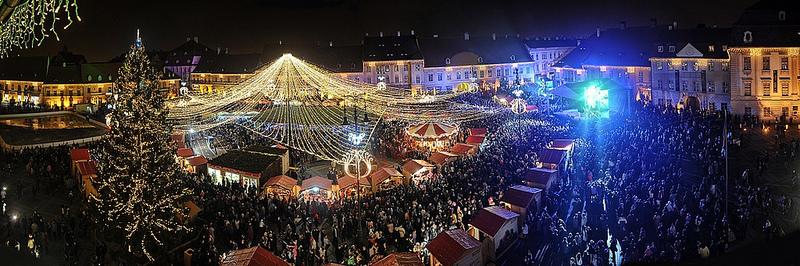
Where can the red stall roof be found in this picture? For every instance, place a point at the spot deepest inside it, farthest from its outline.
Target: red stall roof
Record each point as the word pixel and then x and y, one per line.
pixel 87 168
pixel 461 148
pixel 562 143
pixel 441 157
pixel 348 181
pixel 81 154
pixel 450 246
pixel 413 166
pixel 382 174
pixel 538 175
pixel 490 219
pixel 185 152
pixel 399 259
pixel 552 156
pixel 255 256
pixel 475 139
pixel 281 181
pixel 318 182
pixel 520 196
pixel 478 131
pixel 198 160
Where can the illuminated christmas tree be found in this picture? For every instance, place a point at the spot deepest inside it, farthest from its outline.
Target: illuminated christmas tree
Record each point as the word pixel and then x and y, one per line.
pixel 140 186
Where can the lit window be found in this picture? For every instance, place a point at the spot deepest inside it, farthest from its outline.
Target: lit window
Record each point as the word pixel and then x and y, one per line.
pixel 782 15
pixel 660 48
pixel 672 48
pixel 784 63
pixel 765 63
pixel 89 78
pixel 447 61
pixel 746 65
pixel 748 37
pixel 711 48
pixel 765 88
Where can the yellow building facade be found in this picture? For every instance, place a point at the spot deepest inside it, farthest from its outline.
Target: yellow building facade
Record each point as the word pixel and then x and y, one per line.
pixel 765 82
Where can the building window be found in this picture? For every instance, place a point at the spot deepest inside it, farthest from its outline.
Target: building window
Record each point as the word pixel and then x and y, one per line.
pixel 794 110
pixel 765 63
pixel 711 48
pixel 513 58
pixel 480 59
pixel 746 63
pixel 748 37
pixel 430 77
pixel 482 73
pixel 660 84
pixel 671 84
pixel 499 72
pixel 748 111
pixel 724 66
pixel 785 88
pixel 489 73
pixel 466 74
pixel 447 61
pixel 417 80
pixel 458 75
pixel 711 88
pixel 641 76
pixel 710 66
pixel 684 85
pixel 660 48
pixel 748 88
pixel 449 76
pixel 439 76
pixel 782 15
pixel 659 65
pixel 767 111
pixel 784 63
pixel 725 86
pixel 417 67
pixel 89 78
pixel 685 66
pixel 765 88
pixel 672 48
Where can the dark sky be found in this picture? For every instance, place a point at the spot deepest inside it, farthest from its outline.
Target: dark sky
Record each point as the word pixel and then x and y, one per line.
pixel 109 26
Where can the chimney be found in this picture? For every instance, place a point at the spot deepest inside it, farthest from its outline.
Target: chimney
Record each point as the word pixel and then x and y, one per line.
pixel 196 39
pixel 398 33
pixel 622 25
pixel 330 43
pixel 653 22
pixel 466 36
pixel 412 32
pixel 494 37
pixel 598 33
pixel 380 34
pixel 675 25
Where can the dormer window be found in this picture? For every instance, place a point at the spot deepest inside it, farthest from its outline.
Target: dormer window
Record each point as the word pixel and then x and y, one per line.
pixel 782 15
pixel 99 78
pixel 480 59
pixel 711 48
pixel 748 37
pixel 109 77
pixel 660 48
pixel 672 48
pixel 89 78
pixel 513 58
pixel 447 61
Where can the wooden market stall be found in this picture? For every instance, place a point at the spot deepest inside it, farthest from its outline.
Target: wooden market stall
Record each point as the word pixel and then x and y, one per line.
pixel 196 164
pixel 478 131
pixel 281 186
pixel 551 158
pixel 463 149
pixel 385 178
pixel 475 140
pixel 348 186
pixel 317 188
pixel 496 227
pixel 399 259
pixel 255 256
pixel 455 247
pixel 440 158
pixel 417 169
pixel 519 198
pixel 542 178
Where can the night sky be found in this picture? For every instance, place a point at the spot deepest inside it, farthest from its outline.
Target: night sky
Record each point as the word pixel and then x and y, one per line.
pixel 108 27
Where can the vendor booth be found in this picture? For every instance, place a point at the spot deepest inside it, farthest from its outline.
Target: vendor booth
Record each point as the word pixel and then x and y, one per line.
pixel 385 178
pixel 455 247
pixel 255 256
pixel 521 198
pixel 76 156
pixel 416 170
pixel 475 140
pixel 551 158
pixel 196 164
pixel 87 170
pixel 317 189
pixel 399 259
pixel 542 178
pixel 478 131
pixel 281 186
pixel 496 228
pixel 439 158
pixel 348 187
pixel 463 149
pixel 432 136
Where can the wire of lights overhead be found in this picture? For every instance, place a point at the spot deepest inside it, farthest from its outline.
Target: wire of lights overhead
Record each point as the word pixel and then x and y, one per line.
pixel 27 23
pixel 310 109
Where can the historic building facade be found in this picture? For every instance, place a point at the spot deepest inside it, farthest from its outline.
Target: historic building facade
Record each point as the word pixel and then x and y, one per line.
pixel 692 78
pixel 545 53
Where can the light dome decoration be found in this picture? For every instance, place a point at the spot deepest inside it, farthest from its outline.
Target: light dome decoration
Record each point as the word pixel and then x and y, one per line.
pixel 285 101
pixel 26 23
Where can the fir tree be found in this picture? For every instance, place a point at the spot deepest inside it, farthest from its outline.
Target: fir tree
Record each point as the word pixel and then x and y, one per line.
pixel 140 185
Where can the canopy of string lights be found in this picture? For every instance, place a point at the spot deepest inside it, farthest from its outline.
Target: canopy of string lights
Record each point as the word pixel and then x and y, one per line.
pixel 308 108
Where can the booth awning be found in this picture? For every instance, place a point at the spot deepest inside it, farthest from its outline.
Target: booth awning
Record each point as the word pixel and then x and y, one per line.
pixel 552 156
pixel 348 181
pixel 450 246
pixel 520 196
pixel 185 152
pixel 197 160
pixel 540 176
pixel 255 256
pixel 87 168
pixel 412 167
pixel 490 219
pixel 476 140
pixel 382 174
pixel 281 181
pixel 565 144
pixel 478 131
pixel 441 157
pixel 317 182
pixel 79 154
pixel 399 259
pixel 462 148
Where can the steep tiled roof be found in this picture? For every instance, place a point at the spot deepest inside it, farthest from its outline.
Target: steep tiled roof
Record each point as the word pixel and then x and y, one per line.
pixel 473 51
pixel 229 64
pixel 490 219
pixel 542 43
pixel 346 58
pixel 391 48
pixel 24 68
pixel 768 26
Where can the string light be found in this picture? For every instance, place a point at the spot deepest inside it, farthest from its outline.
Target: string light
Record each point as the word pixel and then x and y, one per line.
pixel 288 101
pixel 32 21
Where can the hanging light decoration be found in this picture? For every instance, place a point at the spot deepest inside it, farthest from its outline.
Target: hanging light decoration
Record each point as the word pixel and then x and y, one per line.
pixel 518 106
pixel 297 115
pixel 26 23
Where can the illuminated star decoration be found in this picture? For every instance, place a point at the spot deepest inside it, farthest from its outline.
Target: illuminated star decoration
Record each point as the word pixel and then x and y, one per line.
pixel 27 23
